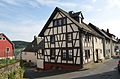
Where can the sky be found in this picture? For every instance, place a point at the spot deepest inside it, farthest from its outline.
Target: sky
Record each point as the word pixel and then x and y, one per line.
pixel 23 19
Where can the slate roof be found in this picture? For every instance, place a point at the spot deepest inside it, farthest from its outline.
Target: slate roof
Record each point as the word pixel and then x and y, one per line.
pixel 110 35
pixel 99 31
pixel 34 46
pixel 79 25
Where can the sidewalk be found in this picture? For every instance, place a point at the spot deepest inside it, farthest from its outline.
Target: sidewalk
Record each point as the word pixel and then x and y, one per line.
pixel 93 65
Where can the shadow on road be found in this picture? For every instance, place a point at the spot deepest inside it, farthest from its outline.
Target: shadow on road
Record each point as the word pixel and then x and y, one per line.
pixel 31 74
pixel 106 75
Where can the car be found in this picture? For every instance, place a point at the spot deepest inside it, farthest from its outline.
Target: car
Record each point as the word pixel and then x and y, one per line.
pixel 119 65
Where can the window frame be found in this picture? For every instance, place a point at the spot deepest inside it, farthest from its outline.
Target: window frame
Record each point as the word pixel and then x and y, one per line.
pixel 7 50
pixel 52 53
pixel 64 55
pixel 52 39
pixel 70 54
pixel 60 22
pixel 69 37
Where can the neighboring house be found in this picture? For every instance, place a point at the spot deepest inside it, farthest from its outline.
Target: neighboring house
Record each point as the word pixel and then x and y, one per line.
pixel 113 41
pixel 6 47
pixel 105 42
pixel 29 54
pixel 68 41
pixel 98 50
pixel 117 47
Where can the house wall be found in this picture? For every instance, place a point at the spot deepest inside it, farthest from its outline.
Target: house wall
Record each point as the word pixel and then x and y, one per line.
pixel 4 45
pixel 87 45
pixel 107 49
pixel 98 47
pixel 29 56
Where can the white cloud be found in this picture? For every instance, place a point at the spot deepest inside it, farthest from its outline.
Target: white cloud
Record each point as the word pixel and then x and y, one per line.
pixel 22 31
pixel 99 10
pixel 94 1
pixel 112 25
pixel 12 2
pixel 113 3
pixel 87 8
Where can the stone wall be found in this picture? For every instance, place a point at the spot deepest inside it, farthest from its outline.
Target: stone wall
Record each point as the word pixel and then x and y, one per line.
pixel 8 69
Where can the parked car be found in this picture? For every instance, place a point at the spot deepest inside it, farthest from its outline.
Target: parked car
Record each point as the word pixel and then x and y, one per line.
pixel 119 65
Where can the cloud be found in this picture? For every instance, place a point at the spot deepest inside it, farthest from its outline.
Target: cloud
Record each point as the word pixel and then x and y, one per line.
pixel 94 1
pixel 23 30
pixel 87 8
pixel 113 3
pixel 112 25
pixel 12 2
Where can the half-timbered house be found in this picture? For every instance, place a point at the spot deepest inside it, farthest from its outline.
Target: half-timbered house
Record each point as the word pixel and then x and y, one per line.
pixel 68 41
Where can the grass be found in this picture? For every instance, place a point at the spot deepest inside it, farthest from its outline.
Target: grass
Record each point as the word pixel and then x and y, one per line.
pixel 4 62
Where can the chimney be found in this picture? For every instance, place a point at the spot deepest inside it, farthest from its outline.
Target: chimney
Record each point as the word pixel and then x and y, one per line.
pixel 107 30
pixel 35 37
pixel 76 16
pixel 70 13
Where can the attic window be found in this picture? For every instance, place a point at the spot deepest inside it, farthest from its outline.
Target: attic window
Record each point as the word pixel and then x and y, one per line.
pixel 3 38
pixel 59 22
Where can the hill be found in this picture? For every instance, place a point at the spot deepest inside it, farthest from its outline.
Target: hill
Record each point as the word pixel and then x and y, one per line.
pixel 20 44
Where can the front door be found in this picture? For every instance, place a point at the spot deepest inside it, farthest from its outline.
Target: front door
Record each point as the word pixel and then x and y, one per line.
pixel 96 55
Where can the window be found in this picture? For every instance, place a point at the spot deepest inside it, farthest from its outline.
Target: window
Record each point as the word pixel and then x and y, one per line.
pixel 52 54
pixel 52 39
pixel 64 20
pixel 96 39
pixel 64 55
pixel 70 55
pixel 87 38
pixel 69 37
pixel 3 38
pixel 0 38
pixel 7 50
pixel 55 23
pixel 59 22
pixel 87 54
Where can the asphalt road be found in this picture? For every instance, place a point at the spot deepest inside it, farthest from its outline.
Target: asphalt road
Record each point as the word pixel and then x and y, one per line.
pixel 105 70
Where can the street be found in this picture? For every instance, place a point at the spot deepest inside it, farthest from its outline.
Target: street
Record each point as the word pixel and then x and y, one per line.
pixel 105 70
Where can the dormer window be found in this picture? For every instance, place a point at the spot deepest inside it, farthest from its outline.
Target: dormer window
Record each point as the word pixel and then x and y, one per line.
pixel 59 22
